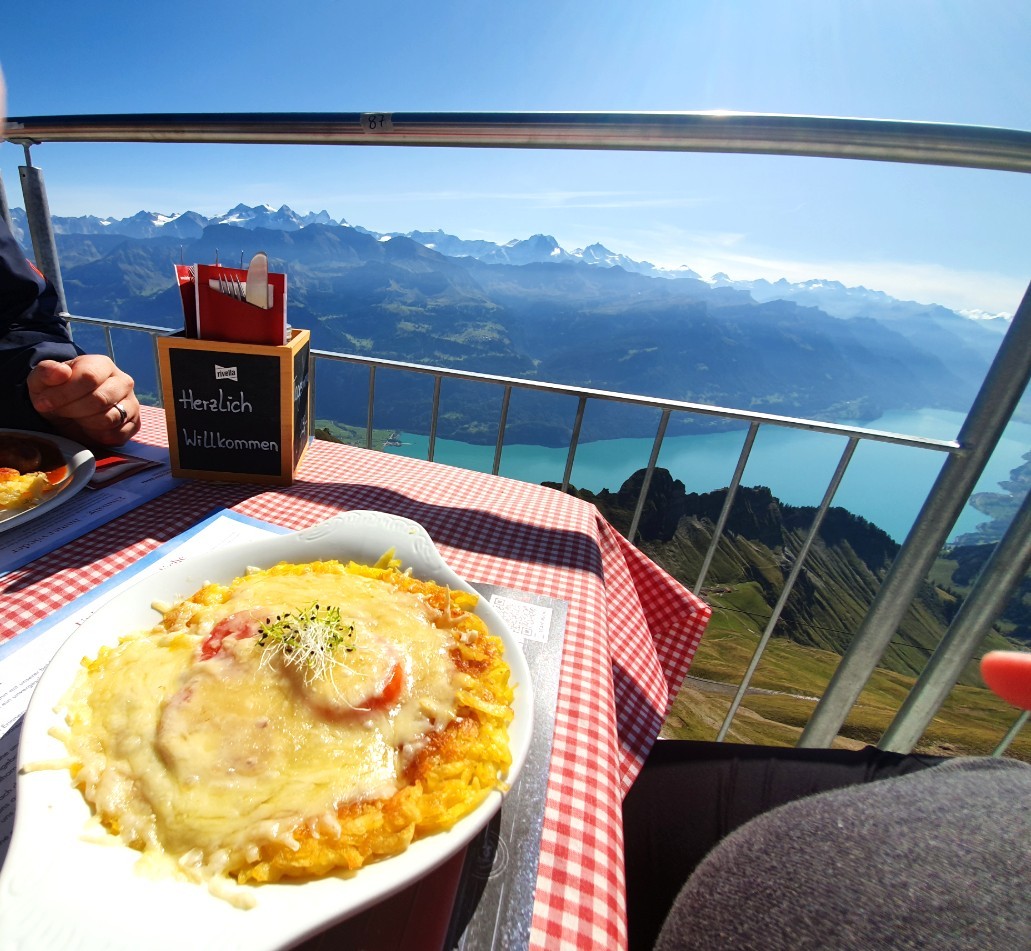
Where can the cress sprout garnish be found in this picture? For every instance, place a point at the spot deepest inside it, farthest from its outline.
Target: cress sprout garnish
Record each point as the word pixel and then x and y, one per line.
pixel 307 639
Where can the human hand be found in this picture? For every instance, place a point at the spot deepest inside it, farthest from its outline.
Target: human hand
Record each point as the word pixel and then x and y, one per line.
pixel 81 399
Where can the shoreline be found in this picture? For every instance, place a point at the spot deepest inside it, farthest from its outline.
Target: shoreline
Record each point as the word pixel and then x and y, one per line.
pixel 884 484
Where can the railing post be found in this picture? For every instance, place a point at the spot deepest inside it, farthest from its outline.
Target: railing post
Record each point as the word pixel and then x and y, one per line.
pixel 987 599
pixel 313 364
pixel 1011 733
pixel 728 505
pixel 574 439
pixel 371 408
pixel 500 444
pixel 41 228
pixel 647 481
pixel 434 414
pixel 999 394
pixel 789 586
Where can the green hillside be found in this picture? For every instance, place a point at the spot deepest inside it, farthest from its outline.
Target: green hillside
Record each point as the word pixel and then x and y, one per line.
pixel 845 566
pixel 790 678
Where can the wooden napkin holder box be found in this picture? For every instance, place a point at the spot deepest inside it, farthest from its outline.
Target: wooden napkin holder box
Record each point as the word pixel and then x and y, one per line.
pixel 236 412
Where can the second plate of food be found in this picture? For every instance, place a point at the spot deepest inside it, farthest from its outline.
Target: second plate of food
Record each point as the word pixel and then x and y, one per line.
pixel 66 467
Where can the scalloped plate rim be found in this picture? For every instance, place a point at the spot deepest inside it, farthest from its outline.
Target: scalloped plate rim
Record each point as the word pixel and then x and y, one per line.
pixel 285 913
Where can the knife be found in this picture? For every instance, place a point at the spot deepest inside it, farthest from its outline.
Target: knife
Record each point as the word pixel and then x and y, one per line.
pixel 257 281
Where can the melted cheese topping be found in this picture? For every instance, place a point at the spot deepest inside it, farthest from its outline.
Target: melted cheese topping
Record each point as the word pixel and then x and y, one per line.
pixel 197 741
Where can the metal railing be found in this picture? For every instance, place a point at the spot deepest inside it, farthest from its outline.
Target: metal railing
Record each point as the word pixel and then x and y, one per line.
pixel 828 137
pixel 923 143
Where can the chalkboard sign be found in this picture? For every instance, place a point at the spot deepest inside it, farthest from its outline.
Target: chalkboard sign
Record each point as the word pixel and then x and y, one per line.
pixel 236 412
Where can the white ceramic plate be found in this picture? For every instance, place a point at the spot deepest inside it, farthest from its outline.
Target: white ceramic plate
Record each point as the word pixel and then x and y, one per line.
pixel 81 465
pixel 60 891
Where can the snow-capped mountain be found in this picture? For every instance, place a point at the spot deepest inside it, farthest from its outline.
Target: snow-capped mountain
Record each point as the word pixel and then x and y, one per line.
pixel 602 256
pixel 604 320
pixel 445 243
pixel 188 224
pixel 536 249
pixel 832 297
pixel 146 224
pixel 283 218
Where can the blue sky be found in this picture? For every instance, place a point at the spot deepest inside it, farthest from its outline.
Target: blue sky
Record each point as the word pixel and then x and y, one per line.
pixel 952 236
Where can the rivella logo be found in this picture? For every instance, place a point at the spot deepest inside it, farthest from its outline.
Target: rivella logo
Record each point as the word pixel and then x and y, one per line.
pixel 225 373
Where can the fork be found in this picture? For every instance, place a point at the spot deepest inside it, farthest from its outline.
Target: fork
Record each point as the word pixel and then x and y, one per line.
pixel 229 284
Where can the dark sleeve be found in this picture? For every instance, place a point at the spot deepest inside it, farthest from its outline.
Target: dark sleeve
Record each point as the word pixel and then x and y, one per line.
pixel 30 331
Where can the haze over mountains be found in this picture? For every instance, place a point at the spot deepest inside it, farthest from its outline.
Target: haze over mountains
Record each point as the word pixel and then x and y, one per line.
pixel 531 309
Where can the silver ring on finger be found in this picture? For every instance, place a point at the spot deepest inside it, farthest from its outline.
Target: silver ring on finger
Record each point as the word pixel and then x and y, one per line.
pixel 122 414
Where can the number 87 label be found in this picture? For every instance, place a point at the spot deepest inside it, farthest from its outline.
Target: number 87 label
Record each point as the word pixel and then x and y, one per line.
pixel 377 122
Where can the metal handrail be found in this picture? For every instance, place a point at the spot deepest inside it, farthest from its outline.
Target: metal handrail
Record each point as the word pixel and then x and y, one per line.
pixel 988 596
pixel 752 417
pixel 651 402
pixel 924 143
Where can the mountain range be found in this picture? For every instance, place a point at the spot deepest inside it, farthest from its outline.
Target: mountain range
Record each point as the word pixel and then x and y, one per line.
pixel 190 225
pixel 531 309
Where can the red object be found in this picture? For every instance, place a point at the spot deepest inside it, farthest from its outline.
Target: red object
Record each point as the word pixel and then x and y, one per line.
pixel 242 624
pixel 392 688
pixel 112 467
pixel 224 318
pixel 185 276
pixel 1008 673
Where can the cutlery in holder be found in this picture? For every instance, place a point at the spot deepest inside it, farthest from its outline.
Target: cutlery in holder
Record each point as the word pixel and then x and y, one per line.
pixel 217 304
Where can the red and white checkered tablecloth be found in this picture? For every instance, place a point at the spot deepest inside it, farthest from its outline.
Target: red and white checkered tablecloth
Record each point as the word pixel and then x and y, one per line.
pixel 631 630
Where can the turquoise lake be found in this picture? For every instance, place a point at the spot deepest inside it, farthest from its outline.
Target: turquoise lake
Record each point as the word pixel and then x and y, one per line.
pixel 885 484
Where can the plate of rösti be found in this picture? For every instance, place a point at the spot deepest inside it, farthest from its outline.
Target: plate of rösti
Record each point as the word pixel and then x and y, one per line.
pixel 39 472
pixel 186 692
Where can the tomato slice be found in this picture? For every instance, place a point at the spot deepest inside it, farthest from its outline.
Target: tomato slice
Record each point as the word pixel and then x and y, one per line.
pixel 392 688
pixel 240 625
pixel 370 678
